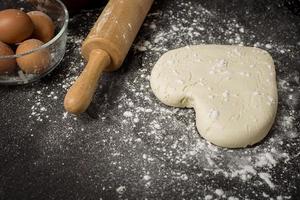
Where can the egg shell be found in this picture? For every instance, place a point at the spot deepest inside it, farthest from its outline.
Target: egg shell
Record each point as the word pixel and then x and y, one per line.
pixel 43 26
pixel 15 26
pixel 35 62
pixel 7 65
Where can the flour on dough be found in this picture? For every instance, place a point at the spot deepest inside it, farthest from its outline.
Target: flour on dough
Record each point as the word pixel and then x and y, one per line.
pixel 232 89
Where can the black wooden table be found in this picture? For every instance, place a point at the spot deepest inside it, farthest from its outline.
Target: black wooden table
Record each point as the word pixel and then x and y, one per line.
pixel 132 146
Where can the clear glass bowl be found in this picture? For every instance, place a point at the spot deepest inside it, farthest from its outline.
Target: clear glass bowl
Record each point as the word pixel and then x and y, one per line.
pixel 59 14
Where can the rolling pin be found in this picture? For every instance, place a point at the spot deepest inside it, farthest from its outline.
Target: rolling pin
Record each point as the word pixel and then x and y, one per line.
pixel 106 47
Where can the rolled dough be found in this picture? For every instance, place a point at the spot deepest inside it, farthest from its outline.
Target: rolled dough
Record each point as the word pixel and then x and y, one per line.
pixel 232 89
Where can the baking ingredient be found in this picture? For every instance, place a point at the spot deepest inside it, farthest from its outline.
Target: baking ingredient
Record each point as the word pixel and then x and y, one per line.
pixel 43 26
pixel 36 62
pixel 7 66
pixel 232 89
pixel 127 138
pixel 15 26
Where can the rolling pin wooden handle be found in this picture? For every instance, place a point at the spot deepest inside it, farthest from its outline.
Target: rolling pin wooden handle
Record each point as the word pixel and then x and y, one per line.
pixel 81 93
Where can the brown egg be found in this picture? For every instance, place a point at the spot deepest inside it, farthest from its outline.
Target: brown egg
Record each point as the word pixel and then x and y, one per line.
pixel 36 62
pixel 7 66
pixel 15 26
pixel 43 26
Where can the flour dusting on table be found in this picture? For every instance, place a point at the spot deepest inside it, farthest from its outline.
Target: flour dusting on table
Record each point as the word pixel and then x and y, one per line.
pixel 157 147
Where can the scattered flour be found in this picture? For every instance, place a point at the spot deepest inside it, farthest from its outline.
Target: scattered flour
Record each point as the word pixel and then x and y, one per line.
pixel 219 192
pixel 121 189
pixel 162 140
pixel 147 177
pixel 128 114
pixel 267 178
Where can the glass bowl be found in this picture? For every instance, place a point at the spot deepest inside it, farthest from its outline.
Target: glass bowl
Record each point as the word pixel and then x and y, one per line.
pixel 55 47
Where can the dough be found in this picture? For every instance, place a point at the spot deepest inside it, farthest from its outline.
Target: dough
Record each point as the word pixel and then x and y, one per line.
pixel 232 89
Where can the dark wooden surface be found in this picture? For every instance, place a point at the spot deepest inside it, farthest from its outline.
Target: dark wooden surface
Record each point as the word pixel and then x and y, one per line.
pixel 67 157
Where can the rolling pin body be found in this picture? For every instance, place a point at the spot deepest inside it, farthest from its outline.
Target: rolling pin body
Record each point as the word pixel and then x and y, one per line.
pixel 116 29
pixel 113 34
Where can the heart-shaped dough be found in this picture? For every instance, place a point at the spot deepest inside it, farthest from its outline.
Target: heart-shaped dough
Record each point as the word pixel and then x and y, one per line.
pixel 232 89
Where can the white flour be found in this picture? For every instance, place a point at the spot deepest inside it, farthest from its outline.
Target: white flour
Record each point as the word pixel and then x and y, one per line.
pixel 163 141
